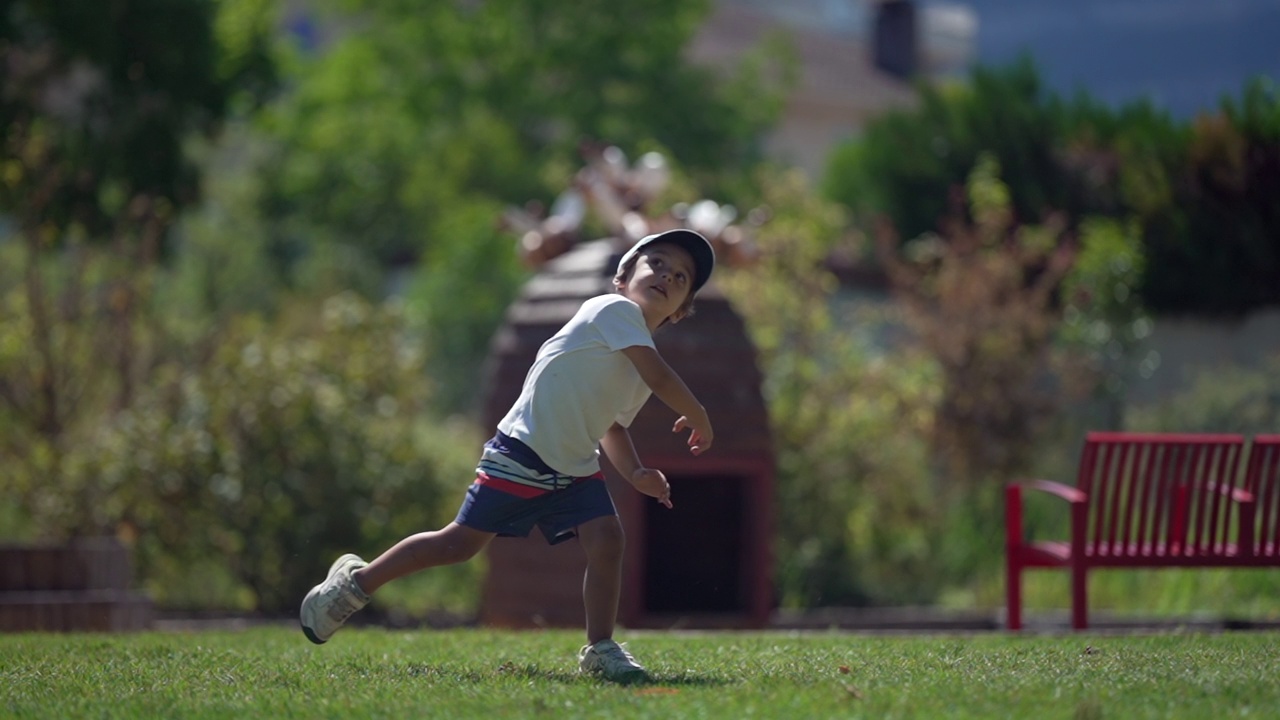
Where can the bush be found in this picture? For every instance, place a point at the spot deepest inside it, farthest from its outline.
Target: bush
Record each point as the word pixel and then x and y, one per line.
pixel 241 473
pixel 856 510
pixel 1214 248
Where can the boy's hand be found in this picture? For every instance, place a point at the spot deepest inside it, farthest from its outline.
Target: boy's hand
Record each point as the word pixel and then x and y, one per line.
pixel 700 437
pixel 652 483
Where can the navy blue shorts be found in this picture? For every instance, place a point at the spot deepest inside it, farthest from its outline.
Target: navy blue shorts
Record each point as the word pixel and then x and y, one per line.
pixel 557 514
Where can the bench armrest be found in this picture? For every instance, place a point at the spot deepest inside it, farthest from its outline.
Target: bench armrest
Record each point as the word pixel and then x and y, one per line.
pixel 1056 489
pixel 1013 507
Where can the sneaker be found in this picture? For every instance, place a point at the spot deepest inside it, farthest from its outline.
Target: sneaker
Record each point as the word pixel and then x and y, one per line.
pixel 330 603
pixel 611 660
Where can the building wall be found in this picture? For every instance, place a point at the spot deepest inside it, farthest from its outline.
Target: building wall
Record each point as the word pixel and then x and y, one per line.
pixel 1188 347
pixel 838 88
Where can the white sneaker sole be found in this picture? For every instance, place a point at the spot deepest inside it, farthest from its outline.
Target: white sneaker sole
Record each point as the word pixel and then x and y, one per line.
pixel 306 616
pixel 307 619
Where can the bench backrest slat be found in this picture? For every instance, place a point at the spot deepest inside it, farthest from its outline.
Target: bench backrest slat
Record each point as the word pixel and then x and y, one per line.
pixel 1161 468
pixel 1131 460
pixel 1159 494
pixel 1155 505
pixel 1211 505
pixel 1263 480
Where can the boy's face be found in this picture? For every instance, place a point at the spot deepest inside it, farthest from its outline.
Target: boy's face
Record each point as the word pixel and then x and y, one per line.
pixel 660 282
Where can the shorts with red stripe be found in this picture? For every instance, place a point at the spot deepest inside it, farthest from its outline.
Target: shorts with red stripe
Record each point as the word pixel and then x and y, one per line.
pixel 524 498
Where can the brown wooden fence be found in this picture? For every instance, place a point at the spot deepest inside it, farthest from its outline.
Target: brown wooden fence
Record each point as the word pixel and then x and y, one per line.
pixel 84 585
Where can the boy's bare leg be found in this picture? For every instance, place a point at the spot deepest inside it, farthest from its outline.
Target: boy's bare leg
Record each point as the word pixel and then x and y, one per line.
pixel 453 543
pixel 603 541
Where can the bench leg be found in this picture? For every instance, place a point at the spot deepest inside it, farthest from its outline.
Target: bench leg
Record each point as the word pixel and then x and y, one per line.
pixel 1079 597
pixel 1013 595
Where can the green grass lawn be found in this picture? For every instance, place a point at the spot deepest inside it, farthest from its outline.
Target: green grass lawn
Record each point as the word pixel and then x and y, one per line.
pixel 372 673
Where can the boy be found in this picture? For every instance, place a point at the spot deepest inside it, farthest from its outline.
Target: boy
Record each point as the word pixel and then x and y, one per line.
pixel 542 467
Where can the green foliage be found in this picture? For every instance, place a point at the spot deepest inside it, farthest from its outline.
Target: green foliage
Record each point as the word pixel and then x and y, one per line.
pixel 246 466
pixel 459 296
pixel 980 300
pixel 855 505
pixel 557 71
pixel 69 347
pixel 1167 218
pixel 1201 192
pixel 908 163
pixel 1215 248
pixel 399 137
pixel 289 447
pixel 249 57
pixel 1103 317
pixel 394 124
pixel 219 261
pixel 1235 593
pixel 99 101
pixel 132 400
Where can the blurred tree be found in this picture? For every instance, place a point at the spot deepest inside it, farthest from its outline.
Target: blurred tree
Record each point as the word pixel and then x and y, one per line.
pixel 417 114
pixel 99 98
pixel 98 102
pixel 294 438
pixel 1201 192
pixel 1213 244
pixel 909 163
pixel 856 503
pixel 458 336
pixel 981 298
pixel 427 103
pixel 1103 319
pixel 218 265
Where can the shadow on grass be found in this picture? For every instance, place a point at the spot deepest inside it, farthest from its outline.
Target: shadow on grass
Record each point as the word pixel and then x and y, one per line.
pixel 456 673
pixel 532 672
pixel 676 681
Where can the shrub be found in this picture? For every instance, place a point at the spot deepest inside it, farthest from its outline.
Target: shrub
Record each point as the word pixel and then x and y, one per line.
pixel 240 473
pixel 855 502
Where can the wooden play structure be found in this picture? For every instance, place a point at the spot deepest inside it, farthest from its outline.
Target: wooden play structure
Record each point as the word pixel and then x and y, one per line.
pixel 705 563
pixel 81 585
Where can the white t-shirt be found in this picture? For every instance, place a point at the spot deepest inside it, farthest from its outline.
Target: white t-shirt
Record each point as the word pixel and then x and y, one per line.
pixel 580 384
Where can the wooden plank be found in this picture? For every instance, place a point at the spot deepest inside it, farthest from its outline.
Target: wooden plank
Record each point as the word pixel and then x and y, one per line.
pixel 62 611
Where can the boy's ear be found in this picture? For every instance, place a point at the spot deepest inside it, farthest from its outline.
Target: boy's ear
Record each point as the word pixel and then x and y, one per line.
pixel 677 316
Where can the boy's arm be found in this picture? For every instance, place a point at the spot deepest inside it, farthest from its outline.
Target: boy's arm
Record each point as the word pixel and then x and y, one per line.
pixel 670 389
pixel 622 453
pixel 618 447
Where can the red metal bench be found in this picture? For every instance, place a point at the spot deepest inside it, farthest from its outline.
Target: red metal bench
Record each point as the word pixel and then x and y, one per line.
pixel 1153 500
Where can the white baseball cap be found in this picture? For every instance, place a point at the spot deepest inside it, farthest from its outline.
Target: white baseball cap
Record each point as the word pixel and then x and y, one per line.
pixel 704 257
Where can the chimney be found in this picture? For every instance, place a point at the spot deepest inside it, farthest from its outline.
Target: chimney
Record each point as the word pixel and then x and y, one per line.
pixel 895 38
